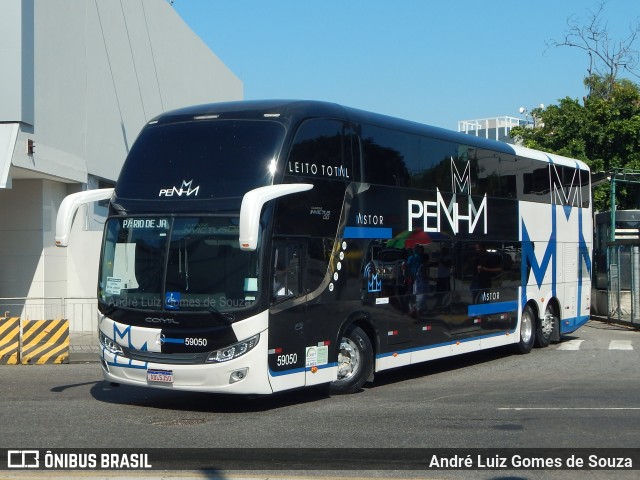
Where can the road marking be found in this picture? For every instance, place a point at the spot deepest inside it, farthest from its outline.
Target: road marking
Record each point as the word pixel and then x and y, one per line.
pixel 620 345
pixel 571 345
pixel 568 408
pixel 613 345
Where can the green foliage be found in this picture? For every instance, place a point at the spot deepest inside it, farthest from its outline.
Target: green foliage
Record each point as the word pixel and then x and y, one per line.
pixel 603 130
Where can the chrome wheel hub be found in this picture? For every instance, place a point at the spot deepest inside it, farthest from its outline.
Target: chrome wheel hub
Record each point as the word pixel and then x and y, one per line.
pixel 526 329
pixel 348 359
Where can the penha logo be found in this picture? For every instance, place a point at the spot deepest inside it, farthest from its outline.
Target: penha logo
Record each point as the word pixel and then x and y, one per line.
pixel 185 189
pixel 432 212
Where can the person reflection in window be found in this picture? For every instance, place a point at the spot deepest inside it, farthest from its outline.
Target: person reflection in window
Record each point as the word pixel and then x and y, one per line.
pixel 485 270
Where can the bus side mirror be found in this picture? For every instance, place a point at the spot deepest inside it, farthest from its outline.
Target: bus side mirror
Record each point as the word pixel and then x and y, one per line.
pixel 251 208
pixel 68 209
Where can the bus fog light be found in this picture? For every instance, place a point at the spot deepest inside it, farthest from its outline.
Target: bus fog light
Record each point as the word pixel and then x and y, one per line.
pixel 238 375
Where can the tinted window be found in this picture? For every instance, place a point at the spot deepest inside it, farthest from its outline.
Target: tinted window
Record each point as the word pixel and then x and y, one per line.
pixel 385 154
pixel 439 164
pixel 319 151
pixel 221 158
pixel 555 184
pixel 568 186
pixel 496 173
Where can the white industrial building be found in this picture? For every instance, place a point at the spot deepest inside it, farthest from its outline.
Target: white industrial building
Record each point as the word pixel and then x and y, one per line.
pixel 79 80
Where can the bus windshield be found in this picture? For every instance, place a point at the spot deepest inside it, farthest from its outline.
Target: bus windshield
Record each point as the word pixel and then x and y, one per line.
pixel 177 264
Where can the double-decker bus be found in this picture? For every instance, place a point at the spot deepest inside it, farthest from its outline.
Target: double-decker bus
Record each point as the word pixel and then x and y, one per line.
pixel 259 246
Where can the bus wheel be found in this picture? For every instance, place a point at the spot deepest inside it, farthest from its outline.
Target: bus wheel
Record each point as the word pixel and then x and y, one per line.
pixel 355 361
pixel 527 330
pixel 544 330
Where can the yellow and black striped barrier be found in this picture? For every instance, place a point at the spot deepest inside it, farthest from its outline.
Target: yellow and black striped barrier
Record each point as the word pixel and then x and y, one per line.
pixel 44 341
pixel 33 342
pixel 9 340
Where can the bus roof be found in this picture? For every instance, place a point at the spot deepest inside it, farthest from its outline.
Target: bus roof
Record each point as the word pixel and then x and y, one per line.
pixel 291 112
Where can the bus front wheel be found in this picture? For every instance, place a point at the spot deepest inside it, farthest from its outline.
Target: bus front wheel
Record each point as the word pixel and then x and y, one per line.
pixel 527 330
pixel 355 362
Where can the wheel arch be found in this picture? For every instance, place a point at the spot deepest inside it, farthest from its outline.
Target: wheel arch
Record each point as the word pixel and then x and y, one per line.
pixel 362 320
pixel 534 307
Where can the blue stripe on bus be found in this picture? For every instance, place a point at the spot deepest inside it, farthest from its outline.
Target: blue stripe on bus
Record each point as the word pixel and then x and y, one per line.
pixel 445 344
pixel 489 308
pixel 173 340
pixel 301 370
pixel 574 324
pixel 367 232
pixel 286 372
pixel 326 365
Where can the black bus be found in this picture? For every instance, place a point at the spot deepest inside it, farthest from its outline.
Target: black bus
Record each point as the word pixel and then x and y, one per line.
pixel 259 246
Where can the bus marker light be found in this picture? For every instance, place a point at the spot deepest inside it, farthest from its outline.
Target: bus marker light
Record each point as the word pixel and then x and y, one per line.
pixel 314 369
pixel 395 354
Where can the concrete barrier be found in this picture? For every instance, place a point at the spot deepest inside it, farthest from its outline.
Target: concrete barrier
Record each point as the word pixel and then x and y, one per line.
pixel 33 342
pixel 9 340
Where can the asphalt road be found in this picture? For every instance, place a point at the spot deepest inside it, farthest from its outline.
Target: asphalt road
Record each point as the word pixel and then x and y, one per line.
pixel 581 393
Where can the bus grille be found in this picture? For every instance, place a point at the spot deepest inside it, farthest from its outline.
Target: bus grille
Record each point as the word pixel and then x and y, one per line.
pixel 169 358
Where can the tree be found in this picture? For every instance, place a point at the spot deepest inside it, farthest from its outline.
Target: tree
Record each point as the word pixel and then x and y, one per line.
pixel 608 58
pixel 604 129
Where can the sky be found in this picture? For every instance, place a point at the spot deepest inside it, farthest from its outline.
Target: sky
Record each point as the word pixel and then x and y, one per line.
pixel 434 62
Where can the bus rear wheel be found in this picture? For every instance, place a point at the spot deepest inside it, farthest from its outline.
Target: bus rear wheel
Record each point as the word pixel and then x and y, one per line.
pixel 545 327
pixel 355 362
pixel 527 330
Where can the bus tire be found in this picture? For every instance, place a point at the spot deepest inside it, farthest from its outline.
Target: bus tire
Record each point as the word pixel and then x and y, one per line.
pixel 544 330
pixel 355 362
pixel 527 330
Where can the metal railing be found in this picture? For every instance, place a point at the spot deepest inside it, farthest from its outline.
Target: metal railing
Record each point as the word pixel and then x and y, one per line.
pixel 623 295
pixel 82 313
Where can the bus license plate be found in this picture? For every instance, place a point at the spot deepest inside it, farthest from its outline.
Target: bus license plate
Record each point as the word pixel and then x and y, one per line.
pixel 164 376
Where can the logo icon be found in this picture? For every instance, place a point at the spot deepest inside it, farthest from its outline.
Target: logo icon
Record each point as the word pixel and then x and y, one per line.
pixel 23 459
pixel 172 300
pixel 460 183
pixel 185 189
pixel 374 284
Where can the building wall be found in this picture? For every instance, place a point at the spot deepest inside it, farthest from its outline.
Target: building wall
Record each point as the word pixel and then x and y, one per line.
pixel 16 61
pixel 21 238
pixel 88 75
pixel 104 68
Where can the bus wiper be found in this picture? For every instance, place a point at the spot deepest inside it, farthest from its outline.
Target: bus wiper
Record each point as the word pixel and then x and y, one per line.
pixel 227 317
pixel 186 265
pixel 109 309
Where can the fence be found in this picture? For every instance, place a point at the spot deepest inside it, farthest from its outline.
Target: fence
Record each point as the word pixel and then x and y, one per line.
pixel 623 293
pixel 81 313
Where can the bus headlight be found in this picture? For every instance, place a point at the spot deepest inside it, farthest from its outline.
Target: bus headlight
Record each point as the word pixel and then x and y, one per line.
pixel 233 351
pixel 110 345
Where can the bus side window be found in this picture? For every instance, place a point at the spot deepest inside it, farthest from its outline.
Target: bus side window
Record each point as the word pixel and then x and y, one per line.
pixel 300 266
pixel 287 268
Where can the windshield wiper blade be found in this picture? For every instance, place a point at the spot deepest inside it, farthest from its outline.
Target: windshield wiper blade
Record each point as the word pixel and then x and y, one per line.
pixel 227 317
